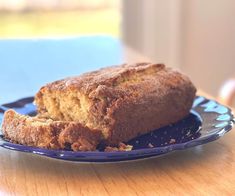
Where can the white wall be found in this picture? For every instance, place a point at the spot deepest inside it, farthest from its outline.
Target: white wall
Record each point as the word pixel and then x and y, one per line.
pixel 198 36
pixel 144 29
pixel 208 42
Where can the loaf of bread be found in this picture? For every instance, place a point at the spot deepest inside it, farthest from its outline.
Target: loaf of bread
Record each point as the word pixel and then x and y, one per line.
pixel 111 105
pixel 122 101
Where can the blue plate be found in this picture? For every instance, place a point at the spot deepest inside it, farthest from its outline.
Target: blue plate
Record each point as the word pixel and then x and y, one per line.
pixel 207 121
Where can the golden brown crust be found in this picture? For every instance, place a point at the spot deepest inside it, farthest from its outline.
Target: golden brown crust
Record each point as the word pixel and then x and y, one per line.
pixel 45 133
pixel 108 76
pixel 123 101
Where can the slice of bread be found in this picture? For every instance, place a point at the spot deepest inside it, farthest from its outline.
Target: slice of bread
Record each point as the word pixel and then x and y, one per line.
pixel 46 133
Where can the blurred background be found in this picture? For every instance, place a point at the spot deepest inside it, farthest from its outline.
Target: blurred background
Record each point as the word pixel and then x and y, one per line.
pixel 195 36
pixel 50 18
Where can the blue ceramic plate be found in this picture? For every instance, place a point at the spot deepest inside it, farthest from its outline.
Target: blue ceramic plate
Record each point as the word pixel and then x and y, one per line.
pixel 207 121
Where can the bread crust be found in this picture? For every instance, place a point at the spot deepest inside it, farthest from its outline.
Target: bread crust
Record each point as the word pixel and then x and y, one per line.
pixel 122 101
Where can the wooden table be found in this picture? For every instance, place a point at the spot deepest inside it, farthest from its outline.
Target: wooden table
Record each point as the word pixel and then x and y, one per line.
pixel 203 170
